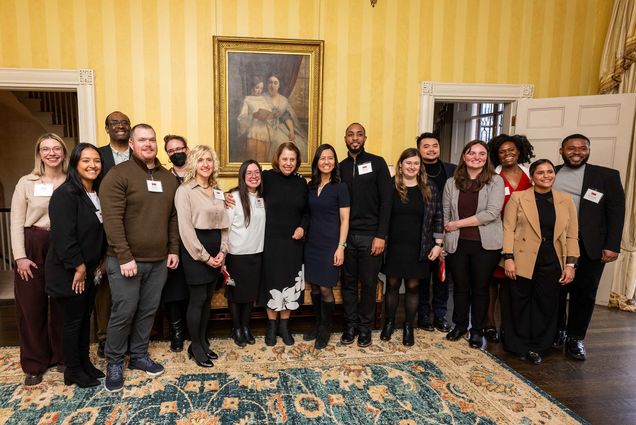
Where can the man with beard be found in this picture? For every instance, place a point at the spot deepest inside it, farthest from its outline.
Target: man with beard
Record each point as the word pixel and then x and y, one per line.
pixel 369 181
pixel 117 126
pixel 600 201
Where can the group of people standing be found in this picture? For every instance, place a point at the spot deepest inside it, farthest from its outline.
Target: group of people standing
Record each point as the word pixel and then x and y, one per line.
pixel 112 228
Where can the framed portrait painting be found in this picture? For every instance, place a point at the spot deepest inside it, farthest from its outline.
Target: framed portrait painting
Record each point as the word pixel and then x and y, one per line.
pixel 267 92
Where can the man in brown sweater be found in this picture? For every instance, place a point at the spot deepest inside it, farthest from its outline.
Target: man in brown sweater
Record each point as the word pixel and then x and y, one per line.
pixel 143 242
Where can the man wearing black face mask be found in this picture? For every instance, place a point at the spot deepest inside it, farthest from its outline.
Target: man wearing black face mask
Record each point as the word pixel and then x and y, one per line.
pixel 117 126
pixel 175 291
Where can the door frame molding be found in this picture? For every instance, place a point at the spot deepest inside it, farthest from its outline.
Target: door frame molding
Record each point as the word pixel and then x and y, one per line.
pixel 80 80
pixel 431 92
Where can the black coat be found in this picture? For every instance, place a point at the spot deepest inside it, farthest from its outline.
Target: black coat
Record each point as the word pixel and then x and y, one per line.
pixel 108 161
pixel 601 225
pixel 77 237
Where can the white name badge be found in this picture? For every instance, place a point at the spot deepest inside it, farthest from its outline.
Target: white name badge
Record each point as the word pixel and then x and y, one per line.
pixel 154 186
pixel 506 191
pixel 260 203
pixel 593 195
pixel 218 194
pixel 365 168
pixel 99 216
pixel 43 189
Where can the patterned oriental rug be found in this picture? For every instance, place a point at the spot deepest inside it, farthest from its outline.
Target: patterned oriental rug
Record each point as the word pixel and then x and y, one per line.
pixel 434 382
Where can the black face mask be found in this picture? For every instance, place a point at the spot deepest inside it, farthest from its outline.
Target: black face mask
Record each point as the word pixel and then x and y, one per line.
pixel 178 159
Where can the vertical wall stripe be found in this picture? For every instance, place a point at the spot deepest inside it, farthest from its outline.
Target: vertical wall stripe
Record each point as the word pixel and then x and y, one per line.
pixel 111 58
pixel 8 34
pixel 190 67
pixel 78 16
pixel 165 36
pixel 434 52
pixel 569 46
pixel 410 55
pixel 549 13
pixel 51 29
pixel 503 30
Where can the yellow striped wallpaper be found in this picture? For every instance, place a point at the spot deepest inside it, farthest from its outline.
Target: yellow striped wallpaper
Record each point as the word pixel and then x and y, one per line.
pixel 153 58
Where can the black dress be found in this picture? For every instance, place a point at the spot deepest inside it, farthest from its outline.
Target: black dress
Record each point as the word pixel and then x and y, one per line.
pixel 405 234
pixel 176 288
pixel 285 210
pixel 531 313
pixel 324 233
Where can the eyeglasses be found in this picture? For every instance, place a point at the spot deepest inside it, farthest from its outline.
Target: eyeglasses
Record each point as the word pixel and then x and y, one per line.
pixel 125 123
pixel 46 149
pixel 176 150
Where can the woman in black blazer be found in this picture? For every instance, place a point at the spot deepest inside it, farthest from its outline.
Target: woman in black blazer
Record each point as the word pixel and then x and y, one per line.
pixel 78 245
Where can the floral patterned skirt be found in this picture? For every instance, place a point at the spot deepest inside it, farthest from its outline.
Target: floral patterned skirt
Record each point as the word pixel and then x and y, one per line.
pixel 283 273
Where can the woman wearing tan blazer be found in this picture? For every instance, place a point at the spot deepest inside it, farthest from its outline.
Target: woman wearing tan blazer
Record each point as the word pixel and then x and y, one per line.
pixel 540 249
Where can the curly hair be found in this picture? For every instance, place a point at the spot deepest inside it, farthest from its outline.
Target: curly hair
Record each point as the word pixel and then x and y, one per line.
pixel 191 164
pixel 422 178
pixel 521 143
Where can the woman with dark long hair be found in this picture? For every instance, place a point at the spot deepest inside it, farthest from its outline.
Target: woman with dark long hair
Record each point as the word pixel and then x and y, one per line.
pixel 245 255
pixel 415 238
pixel 40 337
pixel 540 250
pixel 507 154
pixel 472 203
pixel 203 225
pixel 329 205
pixel 76 252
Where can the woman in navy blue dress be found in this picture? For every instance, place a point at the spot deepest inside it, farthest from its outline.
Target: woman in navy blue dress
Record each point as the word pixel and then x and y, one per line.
pixel 329 204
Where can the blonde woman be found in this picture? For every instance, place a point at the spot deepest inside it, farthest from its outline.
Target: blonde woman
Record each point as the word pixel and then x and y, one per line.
pixel 40 339
pixel 203 226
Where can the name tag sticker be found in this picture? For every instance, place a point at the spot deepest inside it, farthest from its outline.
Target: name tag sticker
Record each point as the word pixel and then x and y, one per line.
pixel 506 191
pixel 99 216
pixel 154 186
pixel 218 194
pixel 260 203
pixel 43 189
pixel 365 168
pixel 593 195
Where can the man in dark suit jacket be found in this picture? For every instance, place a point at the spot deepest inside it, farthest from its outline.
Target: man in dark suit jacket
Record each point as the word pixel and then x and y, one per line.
pixel 600 200
pixel 117 126
pixel 438 172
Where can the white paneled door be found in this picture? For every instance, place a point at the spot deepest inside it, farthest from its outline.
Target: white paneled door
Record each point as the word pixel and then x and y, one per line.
pixel 607 120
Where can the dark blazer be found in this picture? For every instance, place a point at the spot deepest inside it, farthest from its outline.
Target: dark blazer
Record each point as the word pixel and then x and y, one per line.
pixel 108 161
pixel 77 237
pixel 449 169
pixel 432 222
pixel 601 225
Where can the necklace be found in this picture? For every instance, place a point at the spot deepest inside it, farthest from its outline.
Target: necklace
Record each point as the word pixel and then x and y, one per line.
pixel 321 186
pixel 439 171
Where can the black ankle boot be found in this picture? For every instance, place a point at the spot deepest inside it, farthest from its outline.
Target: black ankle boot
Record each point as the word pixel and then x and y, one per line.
pixel 270 335
pixel 237 336
pixel 176 336
pixel 283 332
pixel 324 332
pixel 313 332
pixel 89 368
pixel 247 335
pixel 387 330
pixel 77 376
pixel 408 338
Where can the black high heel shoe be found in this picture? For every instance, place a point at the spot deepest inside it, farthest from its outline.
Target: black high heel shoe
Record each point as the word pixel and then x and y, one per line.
pixel 206 363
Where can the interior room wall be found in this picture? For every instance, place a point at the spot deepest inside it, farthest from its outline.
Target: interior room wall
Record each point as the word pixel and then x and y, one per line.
pixel 153 59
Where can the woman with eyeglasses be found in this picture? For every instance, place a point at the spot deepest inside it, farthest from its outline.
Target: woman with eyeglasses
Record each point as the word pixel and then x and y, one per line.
pixel 472 204
pixel 40 338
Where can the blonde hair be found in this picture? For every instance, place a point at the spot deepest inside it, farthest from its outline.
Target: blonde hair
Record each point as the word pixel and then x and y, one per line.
pixel 191 164
pixel 38 166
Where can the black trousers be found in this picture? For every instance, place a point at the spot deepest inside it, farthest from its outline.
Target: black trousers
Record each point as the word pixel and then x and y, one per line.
pixel 575 317
pixel 439 300
pixel 472 267
pixel 77 326
pixel 360 265
pixel 531 311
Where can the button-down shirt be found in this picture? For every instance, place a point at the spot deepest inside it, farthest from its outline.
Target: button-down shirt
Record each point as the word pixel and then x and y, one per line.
pixel 120 157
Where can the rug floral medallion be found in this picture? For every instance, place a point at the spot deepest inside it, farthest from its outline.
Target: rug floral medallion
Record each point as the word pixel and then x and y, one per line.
pixel 434 382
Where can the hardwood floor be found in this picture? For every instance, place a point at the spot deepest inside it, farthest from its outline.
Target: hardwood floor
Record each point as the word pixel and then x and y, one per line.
pixel 602 389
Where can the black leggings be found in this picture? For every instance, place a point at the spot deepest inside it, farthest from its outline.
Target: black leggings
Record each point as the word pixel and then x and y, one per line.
pixel 240 313
pixel 326 292
pixel 197 317
pixel 411 300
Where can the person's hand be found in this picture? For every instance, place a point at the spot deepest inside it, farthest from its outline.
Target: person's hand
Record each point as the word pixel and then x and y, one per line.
pixel 129 269
pixel 173 261
pixel 608 256
pixel 377 246
pixel 451 226
pixel 292 136
pixel 436 251
pixel 79 279
pixel 298 234
pixel 338 256
pixel 510 269
pixel 216 261
pixel 23 266
pixel 229 200
pixel 567 275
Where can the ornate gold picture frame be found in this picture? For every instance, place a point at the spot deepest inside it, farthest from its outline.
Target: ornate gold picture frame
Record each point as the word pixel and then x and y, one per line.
pixel 266 91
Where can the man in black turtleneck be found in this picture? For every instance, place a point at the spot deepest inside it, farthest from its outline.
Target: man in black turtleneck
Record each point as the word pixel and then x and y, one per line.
pixel 369 181
pixel 438 172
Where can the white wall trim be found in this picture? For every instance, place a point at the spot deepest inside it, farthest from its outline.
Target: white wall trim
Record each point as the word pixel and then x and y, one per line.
pixel 80 80
pixel 431 92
